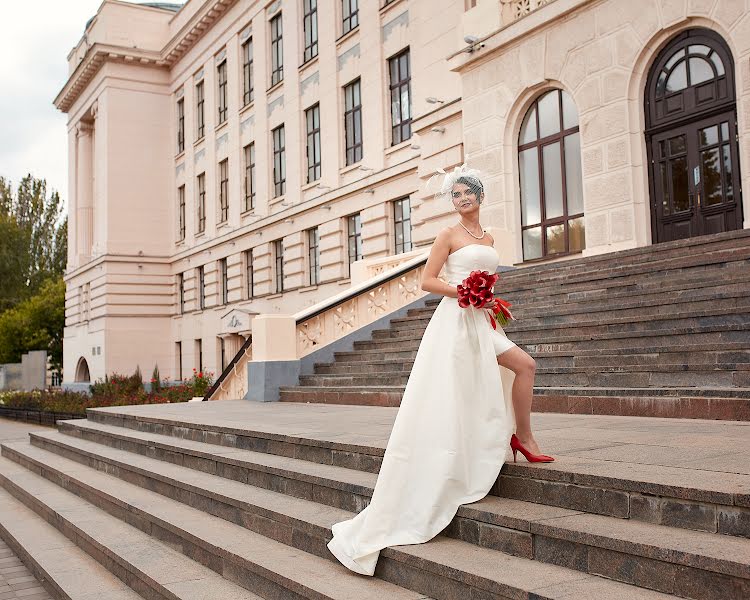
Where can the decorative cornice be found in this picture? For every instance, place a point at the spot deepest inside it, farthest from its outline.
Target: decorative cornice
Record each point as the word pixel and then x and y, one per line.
pixel 176 48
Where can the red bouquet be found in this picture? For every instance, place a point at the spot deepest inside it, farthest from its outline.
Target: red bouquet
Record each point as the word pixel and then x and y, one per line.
pixel 477 291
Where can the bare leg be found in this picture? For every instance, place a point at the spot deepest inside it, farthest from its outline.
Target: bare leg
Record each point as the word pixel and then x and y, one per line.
pixel 524 366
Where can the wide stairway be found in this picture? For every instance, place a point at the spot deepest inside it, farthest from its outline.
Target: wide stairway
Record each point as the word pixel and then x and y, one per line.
pixel 658 331
pixel 235 500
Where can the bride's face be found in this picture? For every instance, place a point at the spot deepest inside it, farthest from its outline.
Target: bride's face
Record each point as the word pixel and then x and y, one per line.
pixel 464 199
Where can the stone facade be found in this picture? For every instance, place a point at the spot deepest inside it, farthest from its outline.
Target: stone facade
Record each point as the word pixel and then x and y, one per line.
pixel 137 63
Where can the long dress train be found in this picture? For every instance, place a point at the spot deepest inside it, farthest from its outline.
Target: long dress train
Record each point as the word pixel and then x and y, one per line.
pixel 451 432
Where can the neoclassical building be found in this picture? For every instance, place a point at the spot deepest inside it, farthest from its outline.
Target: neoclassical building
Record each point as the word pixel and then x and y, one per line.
pixel 229 159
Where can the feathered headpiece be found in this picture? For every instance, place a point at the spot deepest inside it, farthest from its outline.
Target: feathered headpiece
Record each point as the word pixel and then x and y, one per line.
pixel 449 180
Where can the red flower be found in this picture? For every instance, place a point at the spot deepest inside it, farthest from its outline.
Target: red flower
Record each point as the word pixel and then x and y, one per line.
pixel 476 289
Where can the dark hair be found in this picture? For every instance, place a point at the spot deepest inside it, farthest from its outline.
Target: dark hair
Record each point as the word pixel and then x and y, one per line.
pixel 473 184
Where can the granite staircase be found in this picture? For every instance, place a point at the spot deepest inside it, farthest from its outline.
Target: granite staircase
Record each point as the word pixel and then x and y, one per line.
pixel 235 500
pixel 661 331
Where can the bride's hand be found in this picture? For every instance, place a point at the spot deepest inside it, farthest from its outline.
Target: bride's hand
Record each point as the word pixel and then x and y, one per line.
pixel 438 255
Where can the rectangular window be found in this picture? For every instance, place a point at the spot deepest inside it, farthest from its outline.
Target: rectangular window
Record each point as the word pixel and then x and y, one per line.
pixel 223 190
pixel 279 162
pixel 201 203
pixel 178 356
pixel 199 355
pixel 247 72
pixel 201 276
pixel 249 275
pixel 354 235
pixel 180 125
pixel 249 152
pixel 200 117
pixel 312 119
pixel 181 292
pixel 353 122
pixel 181 213
pixel 402 221
pixel 350 14
pixel 313 255
pixel 224 280
pixel 278 247
pixel 310 26
pixel 221 77
pixel 277 51
pixel 400 73
pixel 222 354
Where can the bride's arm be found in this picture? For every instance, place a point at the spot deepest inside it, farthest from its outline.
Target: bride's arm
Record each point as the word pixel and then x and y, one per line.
pixel 438 255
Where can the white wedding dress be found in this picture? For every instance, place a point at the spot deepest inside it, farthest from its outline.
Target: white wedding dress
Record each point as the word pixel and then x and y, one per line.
pixel 451 433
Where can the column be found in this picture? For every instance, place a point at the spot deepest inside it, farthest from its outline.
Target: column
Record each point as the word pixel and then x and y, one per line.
pixel 85 193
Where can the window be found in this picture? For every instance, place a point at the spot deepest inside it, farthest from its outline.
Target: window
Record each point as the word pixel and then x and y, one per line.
pixel 354 235
pixel 279 162
pixel 222 353
pixel 199 355
pixel 249 276
pixel 180 125
pixel 247 72
pixel 277 51
pixel 353 122
pixel 310 25
pixel 549 162
pixel 223 190
pixel 181 292
pixel 350 14
pixel 249 152
pixel 313 255
pixel 201 203
pixel 221 76
pixel 178 355
pixel 312 118
pixel 278 247
pixel 200 117
pixel 402 221
pixel 201 288
pixel 400 73
pixel 181 213
pixel 224 280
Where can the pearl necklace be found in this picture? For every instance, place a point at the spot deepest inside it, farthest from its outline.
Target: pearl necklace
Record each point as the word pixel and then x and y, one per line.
pixel 477 237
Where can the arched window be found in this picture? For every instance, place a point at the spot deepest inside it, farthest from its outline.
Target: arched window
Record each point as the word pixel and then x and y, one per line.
pixel 549 164
pixel 82 371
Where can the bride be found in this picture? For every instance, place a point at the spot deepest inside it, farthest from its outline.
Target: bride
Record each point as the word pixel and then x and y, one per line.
pixel 456 417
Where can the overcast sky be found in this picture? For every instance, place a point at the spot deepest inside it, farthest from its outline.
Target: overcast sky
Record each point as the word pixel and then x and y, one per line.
pixel 37 36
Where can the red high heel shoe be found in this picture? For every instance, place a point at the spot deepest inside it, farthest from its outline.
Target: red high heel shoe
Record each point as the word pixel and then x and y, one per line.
pixel 515 444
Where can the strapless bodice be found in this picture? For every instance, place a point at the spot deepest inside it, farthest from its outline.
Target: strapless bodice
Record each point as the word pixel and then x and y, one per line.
pixel 470 258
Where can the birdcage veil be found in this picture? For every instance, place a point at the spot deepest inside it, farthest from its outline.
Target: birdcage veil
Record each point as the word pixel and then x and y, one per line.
pixel 442 182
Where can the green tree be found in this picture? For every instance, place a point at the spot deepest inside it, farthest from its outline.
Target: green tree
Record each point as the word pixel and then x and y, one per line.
pixel 35 324
pixel 33 238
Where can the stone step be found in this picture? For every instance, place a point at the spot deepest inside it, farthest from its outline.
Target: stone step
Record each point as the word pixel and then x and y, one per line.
pixel 164 532
pixel 514 527
pixel 716 502
pixel 150 567
pixel 631 323
pixel 52 558
pixel 612 291
pixel 607 311
pixel 671 356
pixel 685 352
pixel 662 267
pixel 636 375
pixel 651 253
pixel 444 568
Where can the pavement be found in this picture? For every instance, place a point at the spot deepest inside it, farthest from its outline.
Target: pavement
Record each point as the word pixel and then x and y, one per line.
pixel 16 581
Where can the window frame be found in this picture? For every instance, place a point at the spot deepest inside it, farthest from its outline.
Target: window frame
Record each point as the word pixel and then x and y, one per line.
pixel 224 191
pixel 200 110
pixel 249 274
pixel 354 237
pixel 201 287
pixel 399 223
pixel 223 281
pixel 310 15
pixel 222 101
pixel 314 168
pixel 181 293
pixel 201 202
pixel 181 125
pixel 400 129
pixel 279 160
pixel 353 113
pixel 278 259
pixel 313 255
pixel 249 181
pixel 349 16
pixel 181 214
pixel 277 49
pixel 248 90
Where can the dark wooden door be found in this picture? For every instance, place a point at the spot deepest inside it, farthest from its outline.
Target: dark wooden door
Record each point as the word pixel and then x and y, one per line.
pixel 691 138
pixel 695 179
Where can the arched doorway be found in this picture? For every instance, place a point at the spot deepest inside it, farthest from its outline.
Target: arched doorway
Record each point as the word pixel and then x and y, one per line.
pixel 550 179
pixel 82 371
pixel 691 138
